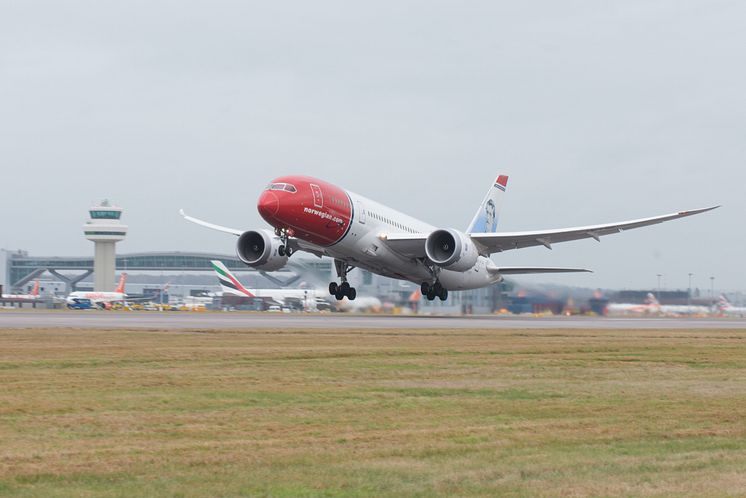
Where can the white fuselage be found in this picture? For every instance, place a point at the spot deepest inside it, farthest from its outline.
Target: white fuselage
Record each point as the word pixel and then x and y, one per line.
pixel 24 297
pixel 306 296
pixel 362 247
pixel 98 297
pixel 732 311
pixel 683 309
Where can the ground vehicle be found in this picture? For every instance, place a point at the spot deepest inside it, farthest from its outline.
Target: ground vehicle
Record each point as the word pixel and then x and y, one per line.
pixel 79 303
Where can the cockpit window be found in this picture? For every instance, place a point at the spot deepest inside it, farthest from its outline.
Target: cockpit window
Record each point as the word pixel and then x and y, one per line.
pixel 282 186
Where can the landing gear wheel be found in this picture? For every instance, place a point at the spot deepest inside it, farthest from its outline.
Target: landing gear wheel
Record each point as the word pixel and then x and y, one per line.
pixel 424 288
pixel 333 288
pixel 443 294
pixel 430 294
pixel 351 294
pixel 345 287
pixel 281 251
pixel 289 251
pixel 339 295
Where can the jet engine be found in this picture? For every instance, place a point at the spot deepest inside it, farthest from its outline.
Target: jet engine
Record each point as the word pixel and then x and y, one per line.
pixel 451 249
pixel 258 249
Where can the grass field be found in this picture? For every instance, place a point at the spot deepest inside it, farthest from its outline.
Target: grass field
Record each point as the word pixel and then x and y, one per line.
pixel 372 413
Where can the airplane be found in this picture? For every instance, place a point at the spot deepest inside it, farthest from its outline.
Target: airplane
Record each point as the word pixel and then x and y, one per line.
pixel 315 216
pixel 100 299
pixel 231 286
pixel 649 307
pixel 676 309
pixel 725 308
pixel 33 296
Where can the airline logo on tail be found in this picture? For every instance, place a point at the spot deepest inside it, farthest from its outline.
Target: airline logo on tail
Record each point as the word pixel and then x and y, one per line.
pixel 501 182
pixel 651 300
pixel 723 303
pixel 35 291
pixel 120 286
pixel 485 220
pixel 228 282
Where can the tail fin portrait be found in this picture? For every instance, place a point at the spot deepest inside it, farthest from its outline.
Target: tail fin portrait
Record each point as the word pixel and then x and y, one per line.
pixel 35 290
pixel 228 283
pixel 485 220
pixel 120 286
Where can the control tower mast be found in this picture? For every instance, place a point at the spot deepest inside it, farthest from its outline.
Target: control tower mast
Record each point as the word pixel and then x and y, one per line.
pixel 104 229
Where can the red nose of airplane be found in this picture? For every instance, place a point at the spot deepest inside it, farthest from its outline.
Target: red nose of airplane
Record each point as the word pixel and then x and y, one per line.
pixel 268 204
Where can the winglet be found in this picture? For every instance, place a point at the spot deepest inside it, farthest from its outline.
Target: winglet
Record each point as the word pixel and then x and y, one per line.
pixel 209 225
pixel 697 211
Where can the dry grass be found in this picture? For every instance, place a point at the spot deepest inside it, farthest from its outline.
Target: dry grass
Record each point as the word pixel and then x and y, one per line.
pixel 372 413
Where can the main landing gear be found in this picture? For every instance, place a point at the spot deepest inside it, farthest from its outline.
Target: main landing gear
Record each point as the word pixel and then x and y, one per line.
pixel 431 291
pixel 342 290
pixel 284 249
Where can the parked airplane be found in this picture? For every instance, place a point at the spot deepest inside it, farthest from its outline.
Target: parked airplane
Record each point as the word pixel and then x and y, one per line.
pixel 676 309
pixel 100 299
pixel 724 307
pixel 33 296
pixel 649 307
pixel 231 286
pixel 315 216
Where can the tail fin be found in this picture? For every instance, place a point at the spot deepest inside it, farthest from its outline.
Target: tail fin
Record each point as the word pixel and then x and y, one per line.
pixel 228 282
pixel 120 286
pixel 723 302
pixel 35 290
pixel 485 220
pixel 651 300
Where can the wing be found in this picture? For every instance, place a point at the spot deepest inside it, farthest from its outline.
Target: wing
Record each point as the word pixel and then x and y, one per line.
pixel 212 226
pixel 413 245
pixel 498 242
pixel 292 241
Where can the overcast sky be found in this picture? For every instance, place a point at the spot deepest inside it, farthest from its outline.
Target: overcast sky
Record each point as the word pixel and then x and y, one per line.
pixel 598 111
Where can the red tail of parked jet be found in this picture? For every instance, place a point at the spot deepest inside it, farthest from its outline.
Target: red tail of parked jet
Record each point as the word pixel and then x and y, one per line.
pixel 122 281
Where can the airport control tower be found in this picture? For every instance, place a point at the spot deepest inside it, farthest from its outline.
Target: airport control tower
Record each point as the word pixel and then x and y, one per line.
pixel 105 230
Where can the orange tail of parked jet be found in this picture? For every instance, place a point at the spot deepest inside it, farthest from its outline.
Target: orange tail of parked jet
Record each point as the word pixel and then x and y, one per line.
pixel 122 280
pixel 35 291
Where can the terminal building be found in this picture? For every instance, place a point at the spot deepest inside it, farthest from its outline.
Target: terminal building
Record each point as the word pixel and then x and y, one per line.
pixel 74 273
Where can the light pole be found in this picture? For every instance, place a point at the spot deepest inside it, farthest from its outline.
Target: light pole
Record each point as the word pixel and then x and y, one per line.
pixel 659 275
pixel 689 295
pixel 712 289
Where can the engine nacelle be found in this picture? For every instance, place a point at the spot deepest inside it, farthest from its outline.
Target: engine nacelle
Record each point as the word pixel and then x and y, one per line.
pixel 258 249
pixel 451 249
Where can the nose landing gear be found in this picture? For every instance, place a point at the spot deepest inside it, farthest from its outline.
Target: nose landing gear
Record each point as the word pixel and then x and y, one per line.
pixel 284 249
pixel 342 290
pixel 431 291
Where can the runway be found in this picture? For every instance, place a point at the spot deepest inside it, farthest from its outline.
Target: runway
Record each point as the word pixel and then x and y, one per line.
pixel 220 320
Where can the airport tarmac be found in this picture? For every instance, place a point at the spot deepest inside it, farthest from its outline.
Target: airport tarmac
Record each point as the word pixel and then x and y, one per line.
pixel 220 320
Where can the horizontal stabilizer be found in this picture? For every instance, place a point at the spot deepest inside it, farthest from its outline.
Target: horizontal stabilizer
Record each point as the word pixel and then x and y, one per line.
pixel 522 270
